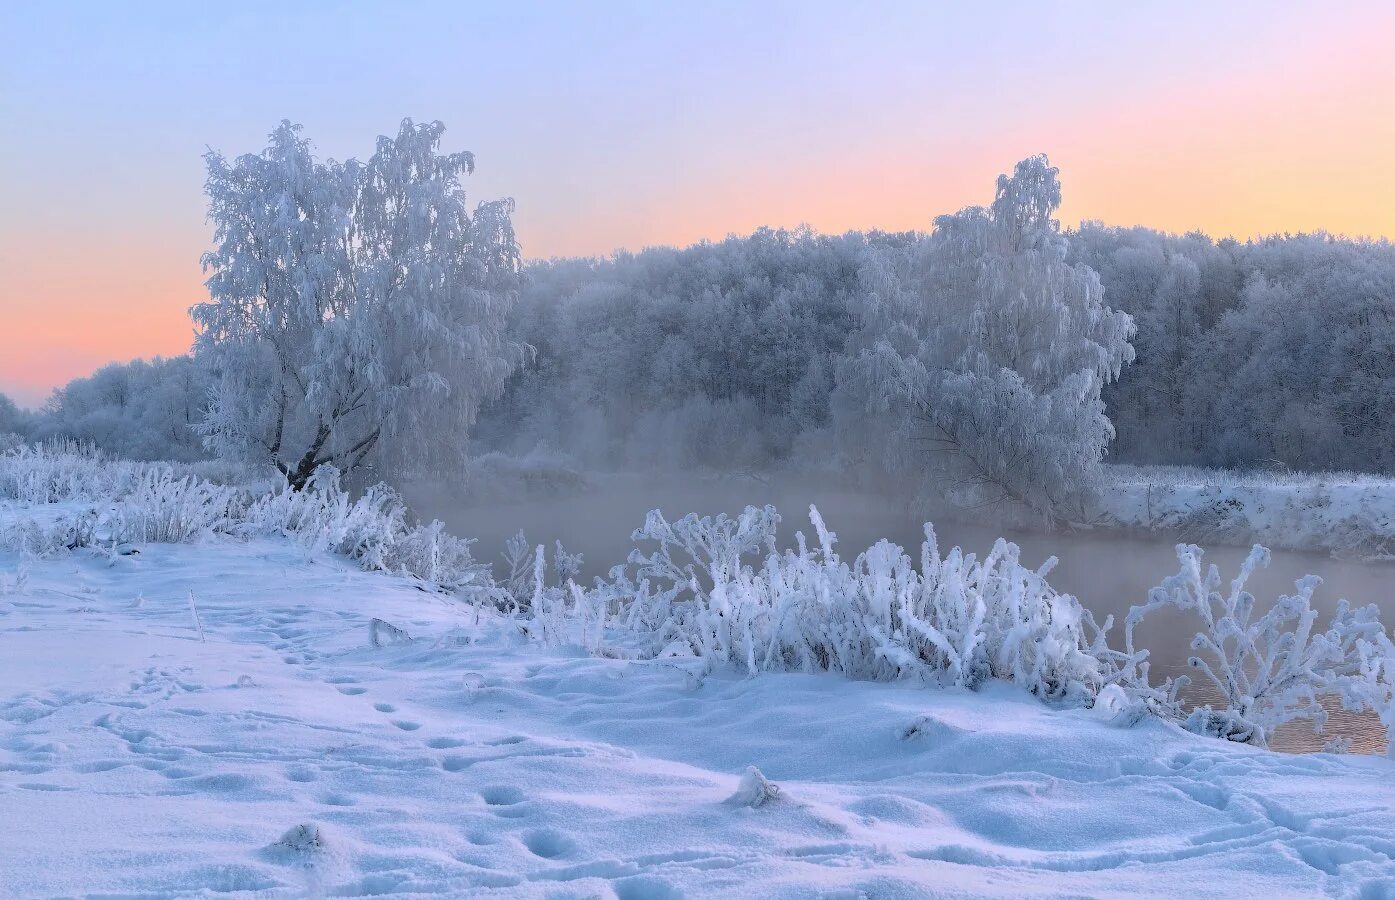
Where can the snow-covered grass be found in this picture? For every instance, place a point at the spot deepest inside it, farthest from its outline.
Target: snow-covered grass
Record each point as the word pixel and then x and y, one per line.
pixel 1345 514
pixel 64 497
pixel 284 755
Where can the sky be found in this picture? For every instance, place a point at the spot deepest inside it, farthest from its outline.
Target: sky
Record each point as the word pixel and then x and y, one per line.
pixel 623 125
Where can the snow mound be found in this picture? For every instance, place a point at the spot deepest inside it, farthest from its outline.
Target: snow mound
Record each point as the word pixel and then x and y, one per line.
pixel 754 790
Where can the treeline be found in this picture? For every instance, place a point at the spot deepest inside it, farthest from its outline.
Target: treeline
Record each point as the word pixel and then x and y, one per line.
pixel 1277 352
pixel 994 357
pixel 722 354
pixel 137 410
pixel 1272 353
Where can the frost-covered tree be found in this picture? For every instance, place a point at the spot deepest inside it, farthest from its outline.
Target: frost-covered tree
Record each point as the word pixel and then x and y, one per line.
pixel 990 349
pixel 356 309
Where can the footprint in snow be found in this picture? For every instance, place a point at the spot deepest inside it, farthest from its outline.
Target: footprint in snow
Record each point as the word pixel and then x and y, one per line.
pixel 502 795
pixel 384 707
pixel 549 843
pixel 407 726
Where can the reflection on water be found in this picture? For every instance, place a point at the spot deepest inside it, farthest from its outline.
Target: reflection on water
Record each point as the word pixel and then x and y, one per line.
pixel 1108 573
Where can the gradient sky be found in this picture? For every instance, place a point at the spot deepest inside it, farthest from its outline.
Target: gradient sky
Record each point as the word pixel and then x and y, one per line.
pixel 627 124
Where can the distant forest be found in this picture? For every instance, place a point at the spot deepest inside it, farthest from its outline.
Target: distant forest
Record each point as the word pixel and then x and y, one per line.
pixel 1277 352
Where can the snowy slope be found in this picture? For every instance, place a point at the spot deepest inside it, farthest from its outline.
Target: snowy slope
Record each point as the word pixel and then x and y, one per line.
pixel 137 760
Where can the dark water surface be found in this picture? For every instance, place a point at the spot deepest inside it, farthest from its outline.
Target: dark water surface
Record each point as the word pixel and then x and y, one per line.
pixel 1108 573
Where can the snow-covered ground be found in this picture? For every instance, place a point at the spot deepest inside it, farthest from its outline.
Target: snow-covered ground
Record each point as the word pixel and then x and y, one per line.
pixel 138 759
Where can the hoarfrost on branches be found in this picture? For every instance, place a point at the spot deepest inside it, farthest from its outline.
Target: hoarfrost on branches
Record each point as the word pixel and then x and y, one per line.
pixel 356 310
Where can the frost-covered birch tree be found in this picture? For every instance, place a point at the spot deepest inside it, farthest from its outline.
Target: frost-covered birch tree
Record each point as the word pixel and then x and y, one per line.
pixel 990 349
pixel 356 309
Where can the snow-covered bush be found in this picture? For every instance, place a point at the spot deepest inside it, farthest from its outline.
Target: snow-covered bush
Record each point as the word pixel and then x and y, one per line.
pixel 526 588
pixel 956 619
pixel 709 548
pixel 65 470
pixel 716 588
pixel 49 536
pixel 1272 668
pixel 14 583
pixel 165 509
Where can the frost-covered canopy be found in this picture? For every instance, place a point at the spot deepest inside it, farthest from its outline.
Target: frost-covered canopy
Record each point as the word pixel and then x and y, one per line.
pixel 991 349
pixel 355 310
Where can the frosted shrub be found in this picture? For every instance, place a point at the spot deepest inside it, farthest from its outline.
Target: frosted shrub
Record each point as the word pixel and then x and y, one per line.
pixel 709 548
pixel 956 619
pixel 14 583
pixel 549 606
pixel 517 585
pixel 1272 668
pixel 326 518
pixel 65 470
pixel 168 510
